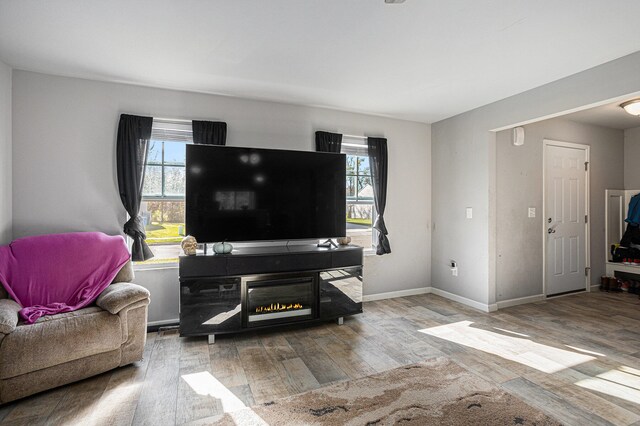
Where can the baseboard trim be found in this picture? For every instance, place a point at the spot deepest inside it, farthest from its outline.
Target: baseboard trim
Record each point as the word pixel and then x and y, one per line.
pixel 468 302
pixel 393 294
pixel 595 287
pixel 426 290
pixel 155 325
pixel 520 301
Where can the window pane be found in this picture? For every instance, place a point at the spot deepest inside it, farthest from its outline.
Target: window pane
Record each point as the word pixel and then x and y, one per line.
pixel 174 153
pixel 157 214
pixel 164 226
pixel 155 152
pixel 363 166
pixel 351 164
pixel 351 186
pixel 365 189
pixel 359 215
pixel 359 224
pixel 174 181
pixel 152 181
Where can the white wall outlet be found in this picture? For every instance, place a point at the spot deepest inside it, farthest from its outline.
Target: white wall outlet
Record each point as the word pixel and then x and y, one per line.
pixel 469 211
pixel 454 271
pixel 532 212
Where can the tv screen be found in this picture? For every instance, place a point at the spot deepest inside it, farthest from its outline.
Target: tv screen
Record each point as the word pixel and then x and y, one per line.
pixel 250 194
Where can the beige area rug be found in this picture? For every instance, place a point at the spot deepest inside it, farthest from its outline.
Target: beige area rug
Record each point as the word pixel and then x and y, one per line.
pixel 434 392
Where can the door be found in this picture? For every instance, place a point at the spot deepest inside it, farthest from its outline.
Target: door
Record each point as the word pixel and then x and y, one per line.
pixel 566 233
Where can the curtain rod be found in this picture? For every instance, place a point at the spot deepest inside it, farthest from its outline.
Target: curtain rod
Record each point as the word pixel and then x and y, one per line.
pixel 177 120
pixel 180 120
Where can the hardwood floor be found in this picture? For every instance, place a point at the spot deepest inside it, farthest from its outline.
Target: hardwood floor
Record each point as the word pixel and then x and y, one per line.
pixel 577 358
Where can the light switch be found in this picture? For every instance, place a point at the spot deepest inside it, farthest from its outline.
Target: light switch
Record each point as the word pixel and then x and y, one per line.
pixel 532 212
pixel 469 213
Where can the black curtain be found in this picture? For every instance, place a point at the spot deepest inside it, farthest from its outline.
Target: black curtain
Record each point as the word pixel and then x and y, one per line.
pixel 209 132
pixel 131 156
pixel 328 142
pixel 379 161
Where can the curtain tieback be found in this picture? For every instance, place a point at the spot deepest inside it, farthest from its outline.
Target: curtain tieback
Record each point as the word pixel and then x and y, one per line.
pixel 380 226
pixel 134 228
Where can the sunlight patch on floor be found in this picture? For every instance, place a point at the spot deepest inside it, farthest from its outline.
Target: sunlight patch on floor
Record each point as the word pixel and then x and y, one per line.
pixel 585 351
pixel 616 383
pixel 511 332
pixel 622 378
pixel 629 370
pixel 204 383
pixel 524 351
pixel 119 395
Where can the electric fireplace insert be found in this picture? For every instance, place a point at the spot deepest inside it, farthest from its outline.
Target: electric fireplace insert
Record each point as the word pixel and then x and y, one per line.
pixel 272 299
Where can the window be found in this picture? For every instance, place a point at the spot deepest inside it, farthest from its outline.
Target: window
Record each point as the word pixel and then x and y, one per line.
pixel 163 203
pixel 360 205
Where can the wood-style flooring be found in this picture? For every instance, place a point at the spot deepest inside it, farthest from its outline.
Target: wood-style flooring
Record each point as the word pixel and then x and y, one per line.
pixel 577 358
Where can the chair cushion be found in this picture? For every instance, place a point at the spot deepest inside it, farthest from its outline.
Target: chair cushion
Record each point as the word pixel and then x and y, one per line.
pixel 56 339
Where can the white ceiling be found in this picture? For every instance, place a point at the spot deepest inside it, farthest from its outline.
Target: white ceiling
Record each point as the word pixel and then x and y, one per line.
pixel 423 60
pixel 606 116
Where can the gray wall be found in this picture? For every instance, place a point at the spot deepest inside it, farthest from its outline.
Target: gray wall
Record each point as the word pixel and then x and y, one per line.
pixel 64 176
pixel 519 186
pixel 464 170
pixel 5 154
pixel 460 180
pixel 632 158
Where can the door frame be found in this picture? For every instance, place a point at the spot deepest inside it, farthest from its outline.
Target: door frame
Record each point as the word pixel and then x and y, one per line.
pixel 587 262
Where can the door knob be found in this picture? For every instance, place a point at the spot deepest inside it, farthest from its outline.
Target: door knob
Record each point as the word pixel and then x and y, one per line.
pixel 551 231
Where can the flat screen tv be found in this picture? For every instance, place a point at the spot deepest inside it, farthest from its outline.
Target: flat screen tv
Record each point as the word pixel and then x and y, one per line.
pixel 250 194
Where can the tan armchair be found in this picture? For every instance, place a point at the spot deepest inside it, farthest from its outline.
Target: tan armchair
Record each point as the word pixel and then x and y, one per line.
pixel 63 348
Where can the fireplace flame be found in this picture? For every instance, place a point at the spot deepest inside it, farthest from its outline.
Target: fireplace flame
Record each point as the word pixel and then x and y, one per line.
pixel 278 307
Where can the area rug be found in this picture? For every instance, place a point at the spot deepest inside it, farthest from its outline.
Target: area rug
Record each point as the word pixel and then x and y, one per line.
pixel 434 392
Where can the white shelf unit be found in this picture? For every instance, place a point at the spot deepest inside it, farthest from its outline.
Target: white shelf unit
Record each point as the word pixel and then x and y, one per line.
pixel 616 210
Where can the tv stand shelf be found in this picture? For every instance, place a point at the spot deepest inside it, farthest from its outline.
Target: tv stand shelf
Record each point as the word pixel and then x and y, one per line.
pixel 262 287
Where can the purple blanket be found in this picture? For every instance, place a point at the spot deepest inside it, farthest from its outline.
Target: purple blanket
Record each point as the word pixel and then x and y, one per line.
pixel 56 273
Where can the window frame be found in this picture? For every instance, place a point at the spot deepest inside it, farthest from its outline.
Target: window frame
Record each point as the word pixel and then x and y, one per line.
pixel 162 131
pixel 358 146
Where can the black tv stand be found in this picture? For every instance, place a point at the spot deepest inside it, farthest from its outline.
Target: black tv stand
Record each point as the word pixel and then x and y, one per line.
pixel 327 244
pixel 264 287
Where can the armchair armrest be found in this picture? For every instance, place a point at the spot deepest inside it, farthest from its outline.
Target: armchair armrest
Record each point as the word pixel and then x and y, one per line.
pixel 118 296
pixel 8 315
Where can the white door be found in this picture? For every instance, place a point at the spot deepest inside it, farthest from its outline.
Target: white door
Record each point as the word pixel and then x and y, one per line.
pixel 565 218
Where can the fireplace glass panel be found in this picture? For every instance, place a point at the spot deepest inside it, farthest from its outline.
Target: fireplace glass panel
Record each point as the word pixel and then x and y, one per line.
pixel 280 300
